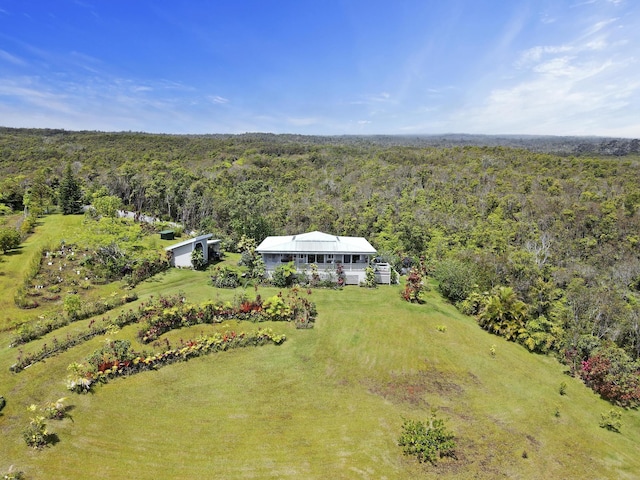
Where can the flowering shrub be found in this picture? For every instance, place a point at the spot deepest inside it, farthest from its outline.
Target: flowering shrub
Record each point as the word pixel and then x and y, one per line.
pixel 145 310
pixel 36 434
pixel 117 360
pixel 225 277
pixel 277 308
pixel 612 374
pixel 55 410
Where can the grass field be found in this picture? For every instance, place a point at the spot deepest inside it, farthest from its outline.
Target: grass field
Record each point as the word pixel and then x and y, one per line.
pixel 328 403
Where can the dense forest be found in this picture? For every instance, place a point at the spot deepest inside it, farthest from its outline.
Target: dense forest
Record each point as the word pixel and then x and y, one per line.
pixel 539 237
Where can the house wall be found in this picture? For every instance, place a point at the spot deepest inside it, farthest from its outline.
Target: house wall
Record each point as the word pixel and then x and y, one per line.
pixel 182 254
pixel 354 270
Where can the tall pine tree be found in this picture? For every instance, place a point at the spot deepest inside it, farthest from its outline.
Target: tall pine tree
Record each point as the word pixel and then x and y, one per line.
pixel 70 193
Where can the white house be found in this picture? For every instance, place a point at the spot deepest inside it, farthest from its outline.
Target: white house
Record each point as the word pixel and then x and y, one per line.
pixel 181 252
pixel 324 250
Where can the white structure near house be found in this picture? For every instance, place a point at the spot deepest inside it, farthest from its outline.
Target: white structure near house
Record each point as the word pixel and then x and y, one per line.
pixel 324 250
pixel 181 252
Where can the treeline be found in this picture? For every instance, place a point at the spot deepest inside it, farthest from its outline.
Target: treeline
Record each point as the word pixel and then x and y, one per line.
pixel 562 231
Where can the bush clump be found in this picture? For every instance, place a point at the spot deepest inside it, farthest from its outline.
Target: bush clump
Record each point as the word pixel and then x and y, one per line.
pixel 427 441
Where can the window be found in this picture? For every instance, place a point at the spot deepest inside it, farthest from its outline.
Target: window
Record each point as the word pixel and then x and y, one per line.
pixel 311 258
pixel 320 258
pixel 347 259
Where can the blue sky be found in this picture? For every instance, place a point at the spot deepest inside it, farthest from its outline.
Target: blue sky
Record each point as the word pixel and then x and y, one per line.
pixel 322 67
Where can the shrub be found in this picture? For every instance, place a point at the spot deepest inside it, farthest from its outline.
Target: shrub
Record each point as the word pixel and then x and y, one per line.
pixel 611 420
pixel 428 441
pixel 72 306
pixel 9 239
pixel 563 388
pixel 284 275
pixel 456 279
pixel 117 360
pixel 55 410
pixel 13 475
pixel 611 373
pixel 369 278
pixel 225 277
pixel 36 434
pixel 276 309
pixel 502 313
pixel 197 259
pixel 414 287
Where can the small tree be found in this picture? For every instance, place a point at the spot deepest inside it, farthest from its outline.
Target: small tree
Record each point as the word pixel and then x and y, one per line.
pixel 70 193
pixel 250 258
pixel 72 306
pixel 414 286
pixel 9 239
pixel 107 205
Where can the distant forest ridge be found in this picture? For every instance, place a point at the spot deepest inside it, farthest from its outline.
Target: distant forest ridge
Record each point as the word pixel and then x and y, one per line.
pixel 559 145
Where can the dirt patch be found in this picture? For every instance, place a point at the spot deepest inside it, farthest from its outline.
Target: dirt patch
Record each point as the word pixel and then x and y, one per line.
pixel 412 388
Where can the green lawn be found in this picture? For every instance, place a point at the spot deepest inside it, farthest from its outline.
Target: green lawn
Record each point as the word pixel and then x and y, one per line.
pixel 327 403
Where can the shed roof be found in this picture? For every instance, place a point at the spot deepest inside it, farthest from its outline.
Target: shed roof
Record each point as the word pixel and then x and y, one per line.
pixel 189 240
pixel 315 242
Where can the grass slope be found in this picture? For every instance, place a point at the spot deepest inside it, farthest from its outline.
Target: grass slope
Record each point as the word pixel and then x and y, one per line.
pixel 329 402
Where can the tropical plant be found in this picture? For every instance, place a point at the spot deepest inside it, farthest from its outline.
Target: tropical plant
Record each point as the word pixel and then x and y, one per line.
pixel 427 441
pixel 224 276
pixel 503 313
pixel 414 286
pixel 284 275
pixel 197 258
pixel 36 434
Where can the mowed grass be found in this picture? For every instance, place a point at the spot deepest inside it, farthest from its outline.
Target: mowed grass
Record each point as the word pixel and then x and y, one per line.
pixel 329 402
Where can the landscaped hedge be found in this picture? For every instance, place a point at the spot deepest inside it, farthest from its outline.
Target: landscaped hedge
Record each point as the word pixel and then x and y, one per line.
pixel 118 360
pixel 30 331
pixel 291 308
pixel 144 311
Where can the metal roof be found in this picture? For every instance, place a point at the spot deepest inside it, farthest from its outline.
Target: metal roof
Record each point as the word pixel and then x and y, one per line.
pixel 315 242
pixel 188 241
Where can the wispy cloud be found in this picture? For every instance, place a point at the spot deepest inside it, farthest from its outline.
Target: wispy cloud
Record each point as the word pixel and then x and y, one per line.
pixel 578 87
pixel 218 99
pixel 7 57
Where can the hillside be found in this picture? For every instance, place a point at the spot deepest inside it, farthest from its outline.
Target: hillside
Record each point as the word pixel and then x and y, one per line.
pixel 329 402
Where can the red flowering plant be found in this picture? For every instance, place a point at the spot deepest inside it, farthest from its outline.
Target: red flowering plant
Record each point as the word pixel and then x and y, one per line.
pixel 611 373
pixel 101 366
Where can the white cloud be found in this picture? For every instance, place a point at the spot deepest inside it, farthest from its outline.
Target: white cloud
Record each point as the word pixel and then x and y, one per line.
pixel 218 99
pixel 6 56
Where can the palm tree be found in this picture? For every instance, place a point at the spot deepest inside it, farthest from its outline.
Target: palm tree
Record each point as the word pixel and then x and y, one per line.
pixel 503 313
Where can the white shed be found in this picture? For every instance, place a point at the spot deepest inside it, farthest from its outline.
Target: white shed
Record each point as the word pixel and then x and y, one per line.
pixel 181 252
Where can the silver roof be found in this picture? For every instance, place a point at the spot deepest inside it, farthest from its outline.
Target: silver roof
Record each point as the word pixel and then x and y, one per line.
pixel 188 241
pixel 315 242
